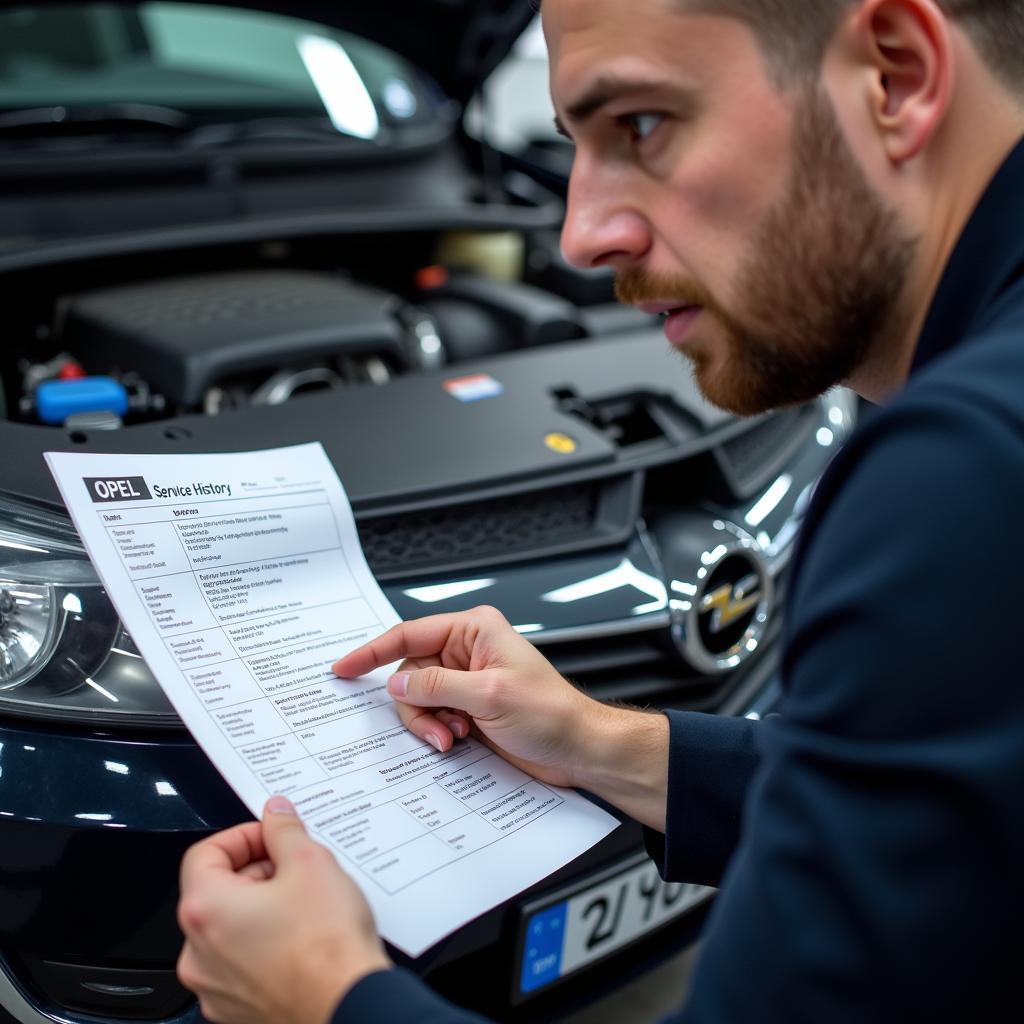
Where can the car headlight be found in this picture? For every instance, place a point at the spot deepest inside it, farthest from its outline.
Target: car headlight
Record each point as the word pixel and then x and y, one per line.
pixel 63 651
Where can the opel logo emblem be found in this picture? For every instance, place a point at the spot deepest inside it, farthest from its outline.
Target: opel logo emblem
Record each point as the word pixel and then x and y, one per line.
pixel 729 614
pixel 730 603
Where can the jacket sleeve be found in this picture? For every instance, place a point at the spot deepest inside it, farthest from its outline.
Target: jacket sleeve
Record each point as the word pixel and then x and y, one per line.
pixel 877 878
pixel 398 995
pixel 710 764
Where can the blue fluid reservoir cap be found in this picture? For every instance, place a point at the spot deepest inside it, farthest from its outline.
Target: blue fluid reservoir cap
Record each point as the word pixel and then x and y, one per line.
pixel 56 400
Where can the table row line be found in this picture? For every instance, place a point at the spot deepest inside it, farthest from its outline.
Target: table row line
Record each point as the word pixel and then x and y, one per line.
pixel 395 846
pixel 149 548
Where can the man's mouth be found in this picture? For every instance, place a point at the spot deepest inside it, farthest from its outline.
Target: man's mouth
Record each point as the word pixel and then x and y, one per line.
pixel 678 319
pixel 678 323
pixel 659 308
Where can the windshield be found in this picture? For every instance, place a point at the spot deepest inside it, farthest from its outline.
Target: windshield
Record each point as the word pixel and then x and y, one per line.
pixel 170 66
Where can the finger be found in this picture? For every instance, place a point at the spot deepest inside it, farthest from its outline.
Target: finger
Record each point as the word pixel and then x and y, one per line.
pixel 427 726
pixel 457 723
pixel 477 694
pixel 223 853
pixel 187 968
pixel 412 664
pixel 415 664
pixel 283 831
pixel 258 870
pixel 420 638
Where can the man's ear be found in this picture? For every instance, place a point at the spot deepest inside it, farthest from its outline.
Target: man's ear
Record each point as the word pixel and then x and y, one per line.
pixel 907 49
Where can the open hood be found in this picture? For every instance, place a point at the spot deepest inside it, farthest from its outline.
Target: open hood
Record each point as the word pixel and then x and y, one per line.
pixel 458 42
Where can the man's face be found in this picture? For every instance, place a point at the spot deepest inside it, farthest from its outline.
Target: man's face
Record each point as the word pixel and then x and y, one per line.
pixel 737 207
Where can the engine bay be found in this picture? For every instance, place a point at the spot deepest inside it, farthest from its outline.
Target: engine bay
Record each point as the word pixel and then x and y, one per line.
pixel 154 342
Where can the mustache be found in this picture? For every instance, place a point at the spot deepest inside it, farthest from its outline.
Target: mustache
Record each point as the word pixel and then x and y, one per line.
pixel 633 286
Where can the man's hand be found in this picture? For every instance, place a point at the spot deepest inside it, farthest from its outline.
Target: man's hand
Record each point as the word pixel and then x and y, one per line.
pixel 473 671
pixel 473 668
pixel 275 931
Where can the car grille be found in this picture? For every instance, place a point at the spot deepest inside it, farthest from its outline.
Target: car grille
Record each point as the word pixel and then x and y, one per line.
pixel 526 524
pixel 753 458
pixel 555 520
pixel 644 668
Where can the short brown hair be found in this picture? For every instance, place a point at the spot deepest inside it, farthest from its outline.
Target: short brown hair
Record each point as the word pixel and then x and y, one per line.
pixel 796 33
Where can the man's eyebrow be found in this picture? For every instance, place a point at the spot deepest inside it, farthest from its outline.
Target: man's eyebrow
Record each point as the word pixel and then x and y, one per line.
pixel 603 90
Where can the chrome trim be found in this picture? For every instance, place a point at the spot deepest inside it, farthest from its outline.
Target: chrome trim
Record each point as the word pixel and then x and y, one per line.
pixel 118 990
pixel 283 384
pixel 737 542
pixel 838 417
pixel 16 1003
pixel 423 338
pixel 596 630
pixel 770 544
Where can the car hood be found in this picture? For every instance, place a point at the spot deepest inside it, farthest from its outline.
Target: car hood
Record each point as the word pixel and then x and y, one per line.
pixel 417 443
pixel 458 42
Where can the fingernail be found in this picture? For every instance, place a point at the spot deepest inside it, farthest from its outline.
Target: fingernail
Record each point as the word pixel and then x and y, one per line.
pixel 280 805
pixel 459 728
pixel 398 684
pixel 435 741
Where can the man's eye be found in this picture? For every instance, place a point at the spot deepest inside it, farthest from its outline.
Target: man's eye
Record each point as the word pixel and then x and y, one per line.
pixel 643 124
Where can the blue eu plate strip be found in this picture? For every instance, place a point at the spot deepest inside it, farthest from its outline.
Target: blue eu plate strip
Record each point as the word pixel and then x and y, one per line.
pixel 542 955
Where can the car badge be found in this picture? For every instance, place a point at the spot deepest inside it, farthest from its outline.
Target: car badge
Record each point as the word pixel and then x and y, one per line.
pixel 473 388
pixel 728 616
pixel 731 602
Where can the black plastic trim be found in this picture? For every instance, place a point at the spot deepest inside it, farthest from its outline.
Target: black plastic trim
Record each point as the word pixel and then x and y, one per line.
pixel 286 228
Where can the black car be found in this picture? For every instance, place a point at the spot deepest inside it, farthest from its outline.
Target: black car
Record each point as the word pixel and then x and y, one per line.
pixel 240 227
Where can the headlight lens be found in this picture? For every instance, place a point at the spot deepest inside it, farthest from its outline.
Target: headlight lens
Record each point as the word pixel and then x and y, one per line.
pixel 63 651
pixel 26 631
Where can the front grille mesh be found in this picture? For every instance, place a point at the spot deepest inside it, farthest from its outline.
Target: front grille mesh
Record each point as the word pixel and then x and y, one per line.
pixel 754 456
pixel 484 530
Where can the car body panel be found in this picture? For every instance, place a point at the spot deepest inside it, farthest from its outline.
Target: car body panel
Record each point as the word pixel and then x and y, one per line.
pixel 489 443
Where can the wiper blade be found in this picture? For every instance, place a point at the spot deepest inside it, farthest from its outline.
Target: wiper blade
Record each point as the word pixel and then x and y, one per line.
pixel 37 122
pixel 266 129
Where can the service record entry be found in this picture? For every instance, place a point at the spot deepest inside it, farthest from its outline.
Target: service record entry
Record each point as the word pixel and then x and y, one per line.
pixel 241 579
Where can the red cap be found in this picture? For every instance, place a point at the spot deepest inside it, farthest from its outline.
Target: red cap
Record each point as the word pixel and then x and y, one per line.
pixel 71 371
pixel 433 276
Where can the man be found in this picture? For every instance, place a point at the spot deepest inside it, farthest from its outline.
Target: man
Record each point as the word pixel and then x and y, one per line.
pixel 813 192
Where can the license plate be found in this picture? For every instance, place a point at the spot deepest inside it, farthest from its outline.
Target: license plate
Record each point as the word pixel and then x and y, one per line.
pixel 567 932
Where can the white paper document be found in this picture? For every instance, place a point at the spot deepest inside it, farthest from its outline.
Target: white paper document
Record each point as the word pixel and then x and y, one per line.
pixel 241 579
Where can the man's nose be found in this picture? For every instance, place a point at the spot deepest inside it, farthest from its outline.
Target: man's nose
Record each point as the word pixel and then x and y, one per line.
pixel 601 227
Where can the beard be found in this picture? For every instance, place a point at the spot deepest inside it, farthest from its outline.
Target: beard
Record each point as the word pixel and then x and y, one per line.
pixel 820 288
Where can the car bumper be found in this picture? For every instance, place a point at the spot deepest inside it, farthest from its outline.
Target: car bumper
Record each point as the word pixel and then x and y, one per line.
pixel 89 857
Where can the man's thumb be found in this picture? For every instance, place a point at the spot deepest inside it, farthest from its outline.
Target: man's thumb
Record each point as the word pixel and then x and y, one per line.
pixel 283 830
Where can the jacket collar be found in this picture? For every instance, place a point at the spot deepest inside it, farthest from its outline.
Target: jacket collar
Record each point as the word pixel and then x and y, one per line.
pixel 987 259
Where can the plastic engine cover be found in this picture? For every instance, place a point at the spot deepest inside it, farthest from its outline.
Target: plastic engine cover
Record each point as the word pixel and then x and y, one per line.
pixel 188 333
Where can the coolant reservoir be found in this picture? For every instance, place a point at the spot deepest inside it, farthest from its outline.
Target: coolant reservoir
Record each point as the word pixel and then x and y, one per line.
pixel 56 400
pixel 496 254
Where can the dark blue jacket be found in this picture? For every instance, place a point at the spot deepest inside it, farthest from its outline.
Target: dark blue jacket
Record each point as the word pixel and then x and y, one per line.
pixel 869 839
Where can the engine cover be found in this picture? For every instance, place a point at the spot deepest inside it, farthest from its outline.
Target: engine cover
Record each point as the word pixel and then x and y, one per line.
pixel 187 333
